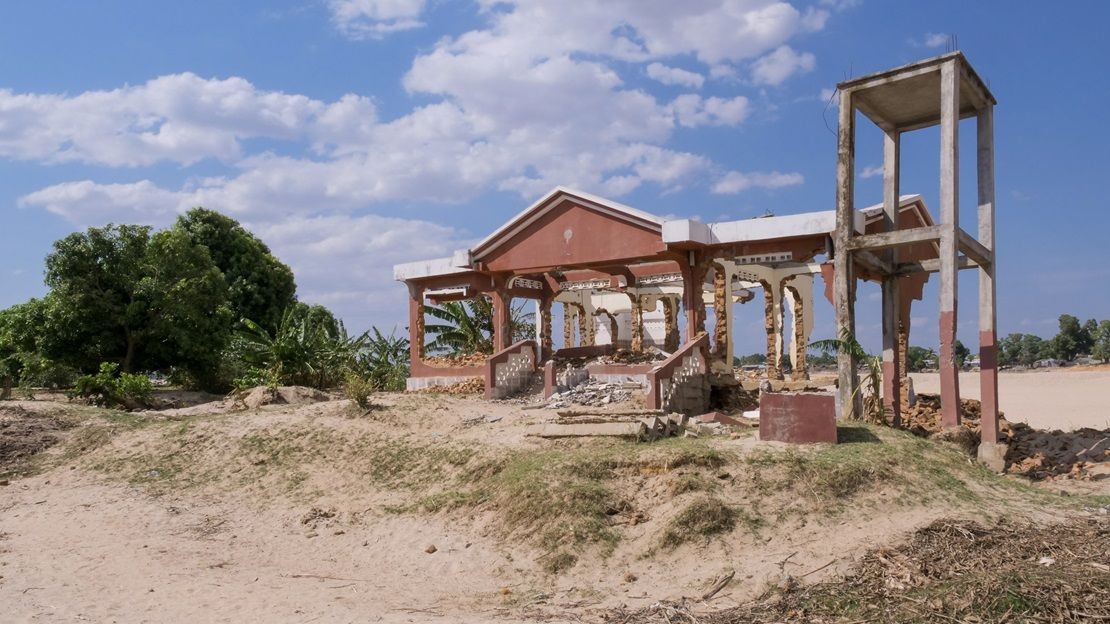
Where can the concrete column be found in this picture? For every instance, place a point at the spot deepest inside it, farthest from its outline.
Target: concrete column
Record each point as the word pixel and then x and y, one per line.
pixel 950 223
pixel 587 320
pixel 843 279
pixel 670 324
pixel 502 327
pixel 637 322
pixel 772 324
pixel 543 307
pixel 988 349
pixel 568 325
pixel 722 303
pixel 416 323
pixel 892 377
pixel 693 276
pixel 801 323
pixel 538 317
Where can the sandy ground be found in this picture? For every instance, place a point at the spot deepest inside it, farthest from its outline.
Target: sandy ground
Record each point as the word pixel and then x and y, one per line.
pixel 1045 399
pixel 77 546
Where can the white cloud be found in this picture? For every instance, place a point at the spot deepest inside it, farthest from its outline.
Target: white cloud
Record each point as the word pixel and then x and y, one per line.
pixel 373 19
pixel 737 181
pixel 533 98
pixel 180 118
pixel 675 76
pixel 871 172
pixel 774 68
pixel 934 40
pixel 693 110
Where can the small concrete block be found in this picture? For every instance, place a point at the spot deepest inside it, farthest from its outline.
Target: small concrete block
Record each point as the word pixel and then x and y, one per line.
pixel 797 417
pixel 993 456
pixel 718 417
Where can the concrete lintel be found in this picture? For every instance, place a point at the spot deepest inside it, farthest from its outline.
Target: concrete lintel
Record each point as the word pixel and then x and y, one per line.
pixel 873 262
pixel 932 266
pixel 883 240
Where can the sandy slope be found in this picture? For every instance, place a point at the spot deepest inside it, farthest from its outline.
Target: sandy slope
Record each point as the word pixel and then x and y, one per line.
pixel 1046 399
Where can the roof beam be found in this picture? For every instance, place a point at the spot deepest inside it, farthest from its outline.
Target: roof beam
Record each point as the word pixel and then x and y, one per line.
pixel 884 240
pixel 932 266
pixel 873 262
pixel 974 249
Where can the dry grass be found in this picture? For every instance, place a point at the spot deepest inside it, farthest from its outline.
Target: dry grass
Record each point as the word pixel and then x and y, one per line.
pixel 947 572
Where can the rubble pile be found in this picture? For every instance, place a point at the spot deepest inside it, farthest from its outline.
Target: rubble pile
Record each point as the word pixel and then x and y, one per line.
pixel 732 398
pixel 1033 453
pixel 458 359
pixel 1049 455
pixel 473 385
pixel 625 356
pixel 593 394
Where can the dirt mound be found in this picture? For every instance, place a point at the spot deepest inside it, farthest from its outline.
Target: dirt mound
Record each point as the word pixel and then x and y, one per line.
pixel 949 571
pixel 24 433
pixel 282 395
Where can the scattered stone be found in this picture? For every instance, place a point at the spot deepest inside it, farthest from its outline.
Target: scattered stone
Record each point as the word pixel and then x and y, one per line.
pixel 430 549
pixel 593 393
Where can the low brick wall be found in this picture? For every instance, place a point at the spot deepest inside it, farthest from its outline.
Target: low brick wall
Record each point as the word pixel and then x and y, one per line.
pixel 588 351
pixel 679 383
pixel 797 417
pixel 509 370
pixel 419 383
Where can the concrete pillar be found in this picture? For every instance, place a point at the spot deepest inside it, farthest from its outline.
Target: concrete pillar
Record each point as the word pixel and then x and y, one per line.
pixel 772 324
pixel 722 303
pixel 416 323
pixel 988 349
pixel 950 222
pixel 843 279
pixel 801 323
pixel 586 322
pixel 904 310
pixel 693 277
pixel 502 325
pixel 892 376
pixel 568 325
pixel 543 307
pixel 670 324
pixel 637 322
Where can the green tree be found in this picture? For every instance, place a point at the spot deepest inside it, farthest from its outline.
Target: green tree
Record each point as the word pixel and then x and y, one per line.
pixel 120 294
pixel 1070 340
pixel 260 287
pixel 919 358
pixel 1101 346
pixel 962 353
pixel 1033 348
pixel 750 359
pixel 1009 349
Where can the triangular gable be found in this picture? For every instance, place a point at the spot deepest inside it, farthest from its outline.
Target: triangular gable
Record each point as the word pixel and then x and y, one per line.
pixel 569 228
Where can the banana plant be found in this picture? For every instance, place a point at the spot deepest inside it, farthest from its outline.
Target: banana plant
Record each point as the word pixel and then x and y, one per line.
pixel 872 379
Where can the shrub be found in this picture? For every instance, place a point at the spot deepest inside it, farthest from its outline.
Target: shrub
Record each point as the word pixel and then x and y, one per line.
pixel 254 377
pixel 358 389
pixel 109 388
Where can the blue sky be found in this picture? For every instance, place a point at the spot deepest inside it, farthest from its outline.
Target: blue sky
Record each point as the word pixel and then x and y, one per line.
pixel 354 134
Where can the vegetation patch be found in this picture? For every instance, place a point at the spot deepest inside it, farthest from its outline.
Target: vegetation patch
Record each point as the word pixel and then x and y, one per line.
pixel 949 571
pixel 705 517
